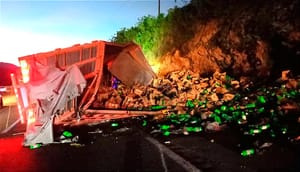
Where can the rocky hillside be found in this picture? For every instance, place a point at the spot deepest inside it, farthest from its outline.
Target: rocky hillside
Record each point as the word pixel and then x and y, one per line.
pixel 242 38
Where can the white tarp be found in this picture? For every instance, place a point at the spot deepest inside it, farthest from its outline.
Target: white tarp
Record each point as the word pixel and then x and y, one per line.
pixel 50 94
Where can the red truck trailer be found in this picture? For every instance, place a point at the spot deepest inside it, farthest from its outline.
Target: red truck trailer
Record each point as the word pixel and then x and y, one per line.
pixel 65 81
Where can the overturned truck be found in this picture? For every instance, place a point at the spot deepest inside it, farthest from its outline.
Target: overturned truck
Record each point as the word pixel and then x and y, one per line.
pixel 65 82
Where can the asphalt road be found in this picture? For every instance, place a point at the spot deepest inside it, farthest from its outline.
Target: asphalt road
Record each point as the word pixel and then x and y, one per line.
pixel 129 148
pixel 8 115
pixel 220 151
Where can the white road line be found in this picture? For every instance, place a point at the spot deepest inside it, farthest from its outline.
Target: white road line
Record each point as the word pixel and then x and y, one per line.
pixel 11 126
pixel 178 159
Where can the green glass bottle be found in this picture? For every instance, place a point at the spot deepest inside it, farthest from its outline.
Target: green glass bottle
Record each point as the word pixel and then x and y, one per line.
pixel 184 117
pixel 279 97
pixel 67 134
pixel 235 114
pixel 272 133
pixel 231 108
pixel 283 130
pixel 114 124
pixel 250 105
pixel 166 133
pixel 217 111
pixel 157 107
pixel 226 117
pixel 205 91
pixel 254 131
pixel 144 123
pixel 247 152
pixel 265 127
pixel 197 129
pixel 188 77
pixel 189 104
pixel 35 146
pixel 223 108
pixel 261 99
pixel 237 97
pixel 293 93
pixel 193 129
pixel 217 119
pixel 164 127
pixel 261 110
pixel 189 129
pixel 175 120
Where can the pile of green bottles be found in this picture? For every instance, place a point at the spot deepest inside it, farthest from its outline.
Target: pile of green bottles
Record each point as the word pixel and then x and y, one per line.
pixel 181 122
pixel 255 110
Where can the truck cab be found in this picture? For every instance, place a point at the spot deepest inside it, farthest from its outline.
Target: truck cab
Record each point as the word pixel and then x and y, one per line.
pixel 6 89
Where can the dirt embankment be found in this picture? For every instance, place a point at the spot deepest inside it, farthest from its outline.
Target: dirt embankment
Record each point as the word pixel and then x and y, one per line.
pixel 243 38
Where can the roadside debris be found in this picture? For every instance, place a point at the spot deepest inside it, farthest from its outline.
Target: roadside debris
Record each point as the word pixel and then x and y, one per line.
pixel 193 104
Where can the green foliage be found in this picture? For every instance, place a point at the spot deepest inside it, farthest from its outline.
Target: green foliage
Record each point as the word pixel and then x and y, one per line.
pixel 158 35
pixel 146 33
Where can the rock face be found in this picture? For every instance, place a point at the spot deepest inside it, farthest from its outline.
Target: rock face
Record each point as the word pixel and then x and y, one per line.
pixel 243 38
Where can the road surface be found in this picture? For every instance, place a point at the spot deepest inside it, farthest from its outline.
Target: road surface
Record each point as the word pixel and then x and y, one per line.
pixel 8 116
pixel 125 150
pixel 129 147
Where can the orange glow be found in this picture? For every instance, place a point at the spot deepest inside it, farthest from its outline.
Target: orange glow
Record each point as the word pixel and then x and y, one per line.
pixel 155 65
pixel 24 70
pixel 9 100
